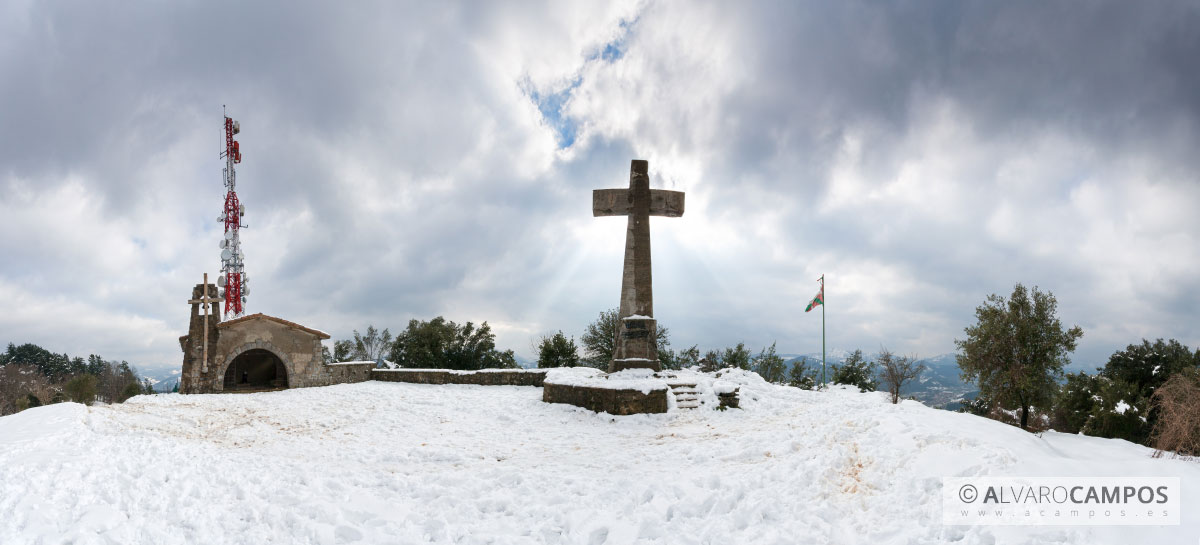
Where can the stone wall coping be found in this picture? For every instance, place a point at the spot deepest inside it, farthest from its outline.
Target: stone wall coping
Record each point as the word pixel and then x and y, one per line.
pixel 460 371
pixel 642 380
pixel 351 363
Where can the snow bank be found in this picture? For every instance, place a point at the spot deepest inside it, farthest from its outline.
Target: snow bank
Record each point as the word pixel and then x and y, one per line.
pixel 642 380
pixel 402 463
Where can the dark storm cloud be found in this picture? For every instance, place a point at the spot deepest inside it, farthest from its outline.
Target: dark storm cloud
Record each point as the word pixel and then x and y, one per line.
pixel 410 160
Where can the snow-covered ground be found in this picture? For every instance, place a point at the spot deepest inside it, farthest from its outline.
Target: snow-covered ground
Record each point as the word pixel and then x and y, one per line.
pixel 407 463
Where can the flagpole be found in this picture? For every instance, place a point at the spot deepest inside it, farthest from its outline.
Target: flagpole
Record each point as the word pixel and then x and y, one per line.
pixel 823 384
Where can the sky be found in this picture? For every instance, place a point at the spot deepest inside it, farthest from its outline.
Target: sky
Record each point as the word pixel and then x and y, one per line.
pixel 411 160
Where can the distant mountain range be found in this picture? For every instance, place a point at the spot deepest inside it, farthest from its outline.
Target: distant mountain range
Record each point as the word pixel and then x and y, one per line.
pixel 163 378
pixel 939 386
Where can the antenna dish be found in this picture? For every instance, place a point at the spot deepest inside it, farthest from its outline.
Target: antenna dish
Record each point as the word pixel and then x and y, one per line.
pixel 241 210
pixel 226 254
pixel 221 217
pixel 221 281
pixel 223 243
pixel 228 235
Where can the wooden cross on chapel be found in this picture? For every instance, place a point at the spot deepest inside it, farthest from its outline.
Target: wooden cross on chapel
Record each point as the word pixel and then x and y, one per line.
pixel 204 301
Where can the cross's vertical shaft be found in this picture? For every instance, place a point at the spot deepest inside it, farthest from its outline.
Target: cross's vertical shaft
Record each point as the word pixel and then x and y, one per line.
pixel 637 297
pixel 634 345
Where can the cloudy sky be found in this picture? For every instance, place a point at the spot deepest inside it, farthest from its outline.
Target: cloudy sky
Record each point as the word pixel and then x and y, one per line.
pixel 410 160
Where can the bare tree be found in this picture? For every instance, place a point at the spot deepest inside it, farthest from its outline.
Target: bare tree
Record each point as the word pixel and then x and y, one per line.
pixel 895 371
pixel 373 345
pixel 18 382
pixel 1178 427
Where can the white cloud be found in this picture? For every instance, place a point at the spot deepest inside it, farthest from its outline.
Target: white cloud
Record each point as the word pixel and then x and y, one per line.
pixel 397 167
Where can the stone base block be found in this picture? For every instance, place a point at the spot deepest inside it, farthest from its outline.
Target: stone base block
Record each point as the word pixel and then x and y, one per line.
pixel 635 347
pixel 607 400
pixel 617 366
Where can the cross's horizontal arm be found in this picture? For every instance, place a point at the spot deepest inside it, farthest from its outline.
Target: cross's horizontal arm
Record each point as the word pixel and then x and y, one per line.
pixel 616 202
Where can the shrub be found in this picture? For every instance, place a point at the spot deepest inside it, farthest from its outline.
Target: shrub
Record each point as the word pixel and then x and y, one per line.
pixel 81 389
pixel 557 351
pixel 130 390
pixel 856 371
pixel 1178 427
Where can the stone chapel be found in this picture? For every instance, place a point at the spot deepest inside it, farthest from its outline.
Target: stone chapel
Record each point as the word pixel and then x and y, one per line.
pixel 255 352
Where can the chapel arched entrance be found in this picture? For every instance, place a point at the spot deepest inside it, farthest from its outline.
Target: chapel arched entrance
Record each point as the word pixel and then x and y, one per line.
pixel 255 369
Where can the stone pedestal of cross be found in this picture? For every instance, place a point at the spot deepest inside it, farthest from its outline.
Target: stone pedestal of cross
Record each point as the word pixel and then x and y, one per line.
pixel 635 345
pixel 204 300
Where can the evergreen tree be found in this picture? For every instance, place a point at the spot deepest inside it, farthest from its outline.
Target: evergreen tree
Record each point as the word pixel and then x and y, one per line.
pixel 557 351
pixel 1130 377
pixel 711 361
pixel 687 357
pixel 1074 403
pixel 1016 350
pixel 737 356
pixel 799 375
pixel 770 366
pixel 343 350
pixel 856 371
pixel 81 389
pixel 600 336
pixel 130 390
pixel 53 366
pixel 1118 411
pixel 442 344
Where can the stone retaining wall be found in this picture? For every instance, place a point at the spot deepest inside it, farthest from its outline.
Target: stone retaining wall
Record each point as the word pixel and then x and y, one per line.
pixel 348 373
pixel 608 400
pixel 488 377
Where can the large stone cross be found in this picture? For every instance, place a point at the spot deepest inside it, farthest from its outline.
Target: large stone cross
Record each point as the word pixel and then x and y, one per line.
pixel 634 345
pixel 204 301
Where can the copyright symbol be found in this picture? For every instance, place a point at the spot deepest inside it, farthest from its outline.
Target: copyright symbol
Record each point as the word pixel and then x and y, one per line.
pixel 968 493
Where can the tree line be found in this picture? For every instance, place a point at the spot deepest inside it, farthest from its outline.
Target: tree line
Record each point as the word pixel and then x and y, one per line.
pixel 557 350
pixel 31 376
pixel 1148 393
pixel 433 344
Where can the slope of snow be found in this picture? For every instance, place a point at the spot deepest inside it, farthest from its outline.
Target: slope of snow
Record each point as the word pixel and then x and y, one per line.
pixel 405 463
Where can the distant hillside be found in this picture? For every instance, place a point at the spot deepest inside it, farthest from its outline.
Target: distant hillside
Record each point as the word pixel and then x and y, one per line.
pixel 939 386
pixel 163 378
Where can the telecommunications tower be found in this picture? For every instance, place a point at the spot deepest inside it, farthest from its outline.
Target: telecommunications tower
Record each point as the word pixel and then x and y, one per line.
pixel 232 281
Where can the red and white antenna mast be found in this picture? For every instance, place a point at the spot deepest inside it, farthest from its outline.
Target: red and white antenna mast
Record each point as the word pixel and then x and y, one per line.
pixel 233 274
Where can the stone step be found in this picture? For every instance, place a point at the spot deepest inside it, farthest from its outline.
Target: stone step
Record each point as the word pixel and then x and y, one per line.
pixel 684 391
pixel 686 397
pixel 687 404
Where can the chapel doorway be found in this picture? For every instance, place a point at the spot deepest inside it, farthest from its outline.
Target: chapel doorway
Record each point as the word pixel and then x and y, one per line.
pixel 255 369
